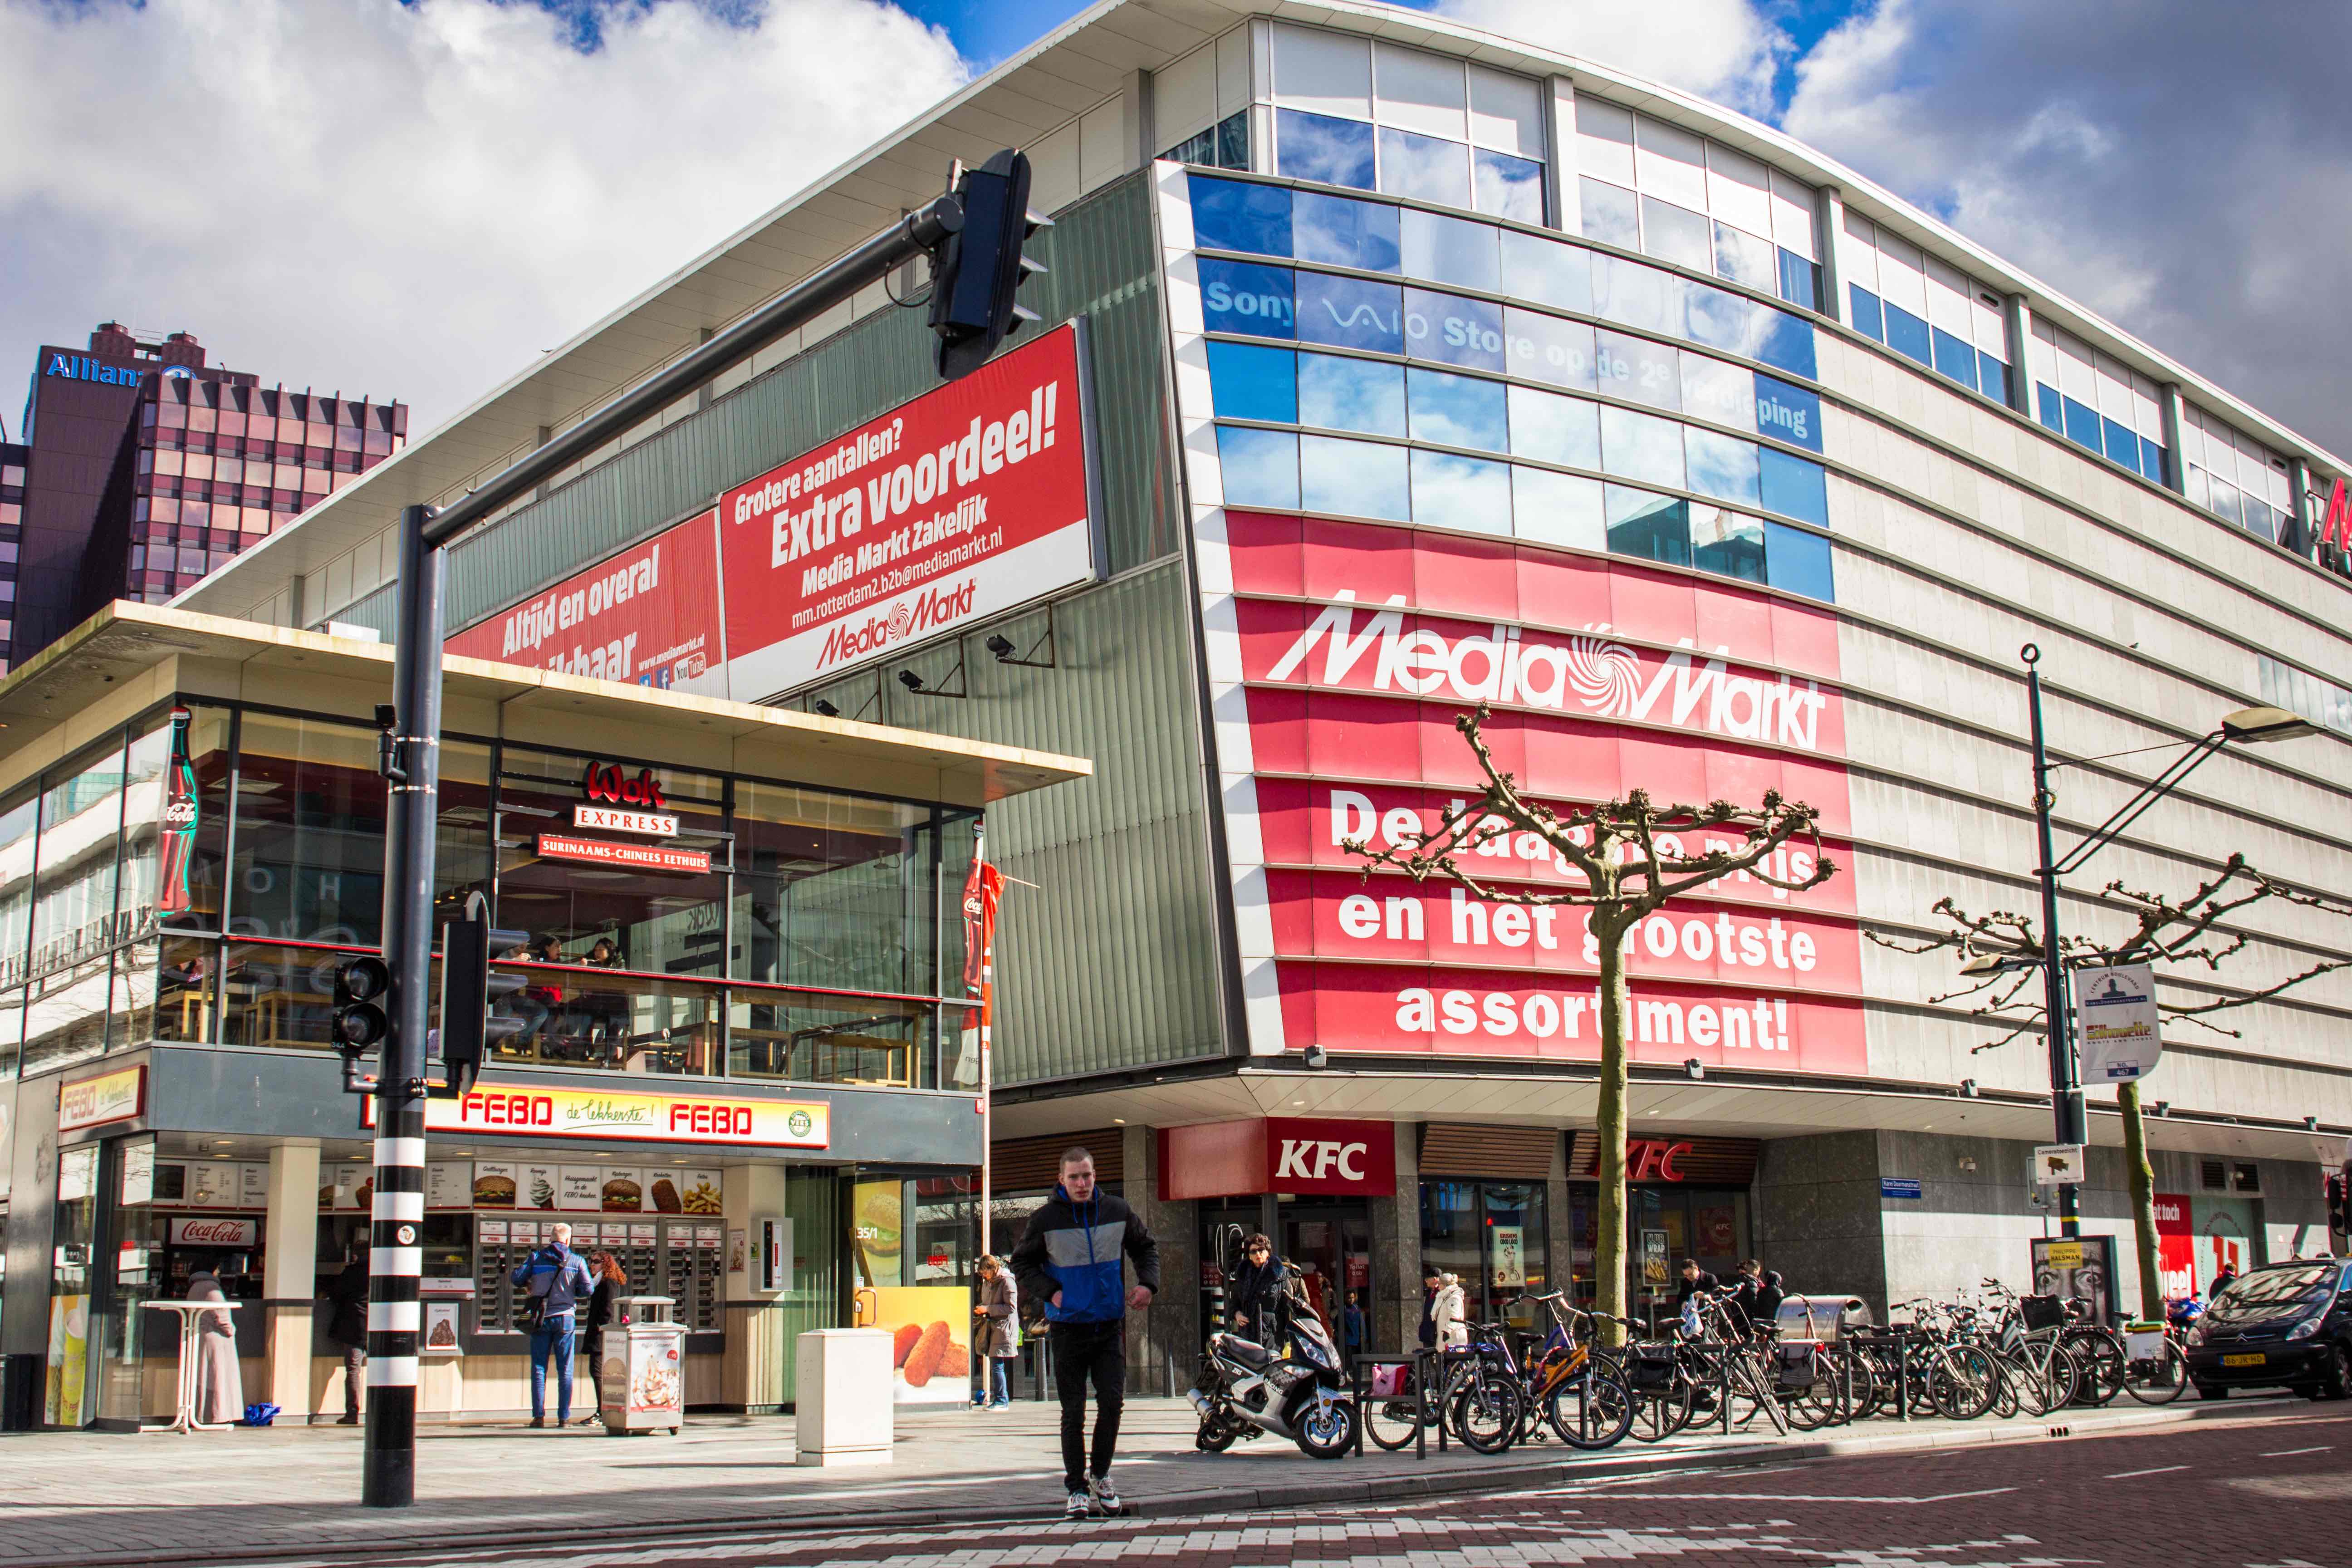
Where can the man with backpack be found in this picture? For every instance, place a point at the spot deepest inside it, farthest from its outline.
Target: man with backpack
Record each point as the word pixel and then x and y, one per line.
pixel 555 1281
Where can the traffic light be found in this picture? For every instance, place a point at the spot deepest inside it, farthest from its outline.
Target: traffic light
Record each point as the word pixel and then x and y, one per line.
pixel 469 989
pixel 359 1023
pixel 980 268
pixel 2339 1203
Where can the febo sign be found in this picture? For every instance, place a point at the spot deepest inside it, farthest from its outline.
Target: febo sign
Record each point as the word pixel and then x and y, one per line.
pixel 1278 1154
pixel 957 506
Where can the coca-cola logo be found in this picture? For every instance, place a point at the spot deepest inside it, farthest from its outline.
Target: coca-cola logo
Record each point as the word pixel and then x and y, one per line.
pixel 180 814
pixel 606 782
pixel 212 1233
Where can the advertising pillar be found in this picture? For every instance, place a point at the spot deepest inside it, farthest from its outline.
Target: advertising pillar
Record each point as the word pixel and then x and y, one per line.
pixel 289 1259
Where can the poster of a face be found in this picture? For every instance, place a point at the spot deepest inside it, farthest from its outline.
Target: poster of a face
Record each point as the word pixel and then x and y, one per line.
pixel 1510 1260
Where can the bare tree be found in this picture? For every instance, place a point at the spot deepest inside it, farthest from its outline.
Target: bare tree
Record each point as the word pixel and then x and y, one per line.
pixel 1632 855
pixel 2190 931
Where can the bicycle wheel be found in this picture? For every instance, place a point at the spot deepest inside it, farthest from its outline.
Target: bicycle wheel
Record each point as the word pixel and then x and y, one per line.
pixel 2004 1392
pixel 2034 1373
pixel 1862 1384
pixel 1485 1412
pixel 1961 1382
pixel 1594 1409
pixel 2067 1377
pixel 1822 1404
pixel 2101 1354
pixel 2160 1381
pixel 1748 1384
pixel 1391 1423
pixel 1659 1413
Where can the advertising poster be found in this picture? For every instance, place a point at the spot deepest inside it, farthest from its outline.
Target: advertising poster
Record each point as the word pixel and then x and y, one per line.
pixel 493 1183
pixel 2117 1021
pixel 2175 1245
pixel 930 1333
pixel 1654 1273
pixel 693 1191
pixel 1510 1256
pixel 448 1184
pixel 648 616
pixel 69 1380
pixel 441 1336
pixel 964 503
pixel 2077 1268
pixel 578 1187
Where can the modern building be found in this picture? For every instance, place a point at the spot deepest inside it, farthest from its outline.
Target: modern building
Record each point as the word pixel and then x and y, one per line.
pixel 144 467
pixel 1420 367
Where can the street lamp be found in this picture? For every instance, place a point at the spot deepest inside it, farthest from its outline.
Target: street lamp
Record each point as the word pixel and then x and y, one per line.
pixel 2247 726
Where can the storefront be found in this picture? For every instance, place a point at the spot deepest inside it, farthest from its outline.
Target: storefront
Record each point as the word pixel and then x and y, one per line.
pixel 734 1047
pixel 1686 1198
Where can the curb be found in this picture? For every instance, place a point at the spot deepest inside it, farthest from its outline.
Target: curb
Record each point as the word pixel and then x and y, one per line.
pixel 1616 1466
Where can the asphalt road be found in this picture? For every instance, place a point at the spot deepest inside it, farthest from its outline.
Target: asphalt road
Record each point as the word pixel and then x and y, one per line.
pixel 2274 1491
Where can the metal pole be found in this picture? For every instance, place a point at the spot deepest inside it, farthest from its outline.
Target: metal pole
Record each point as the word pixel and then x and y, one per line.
pixel 2065 1093
pixel 394 1256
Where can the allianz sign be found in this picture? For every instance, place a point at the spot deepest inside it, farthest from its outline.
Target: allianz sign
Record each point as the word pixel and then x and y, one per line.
pixel 81 367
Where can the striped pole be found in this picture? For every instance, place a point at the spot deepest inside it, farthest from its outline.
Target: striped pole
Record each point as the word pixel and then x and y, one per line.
pixel 396 1218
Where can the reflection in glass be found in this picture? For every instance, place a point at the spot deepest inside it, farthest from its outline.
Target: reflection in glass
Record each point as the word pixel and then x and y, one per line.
pixel 1232 140
pixel 1638 296
pixel 1456 410
pixel 1339 394
pixel 1509 187
pixel 1865 309
pixel 1558 509
pixel 1351 312
pixel 1907 335
pixel 1718 319
pixel 1676 234
pixel 1641 446
pixel 19 818
pixel 1714 390
pixel 1426 168
pixel 1238 214
pixel 1250 381
pixel 1353 479
pixel 1787 344
pixel 1245 297
pixel 1555 429
pixel 81 816
pixel 1450 250
pixel 1609 214
pixel 1727 543
pixel 1745 258
pixel 1648 527
pixel 1798 562
pixel 1466 493
pixel 1319 148
pixel 1344 232
pixel 1787 413
pixel 1544 348
pixel 65 1014
pixel 1794 487
pixel 1801 282
pixel 1261 466
pixel 1547 271
pixel 1452 330
pixel 832 890
pixel 1638 369
pixel 309 831
pixel 1721 466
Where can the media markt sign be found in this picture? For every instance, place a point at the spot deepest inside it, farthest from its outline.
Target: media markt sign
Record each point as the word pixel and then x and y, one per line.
pixel 2116 1022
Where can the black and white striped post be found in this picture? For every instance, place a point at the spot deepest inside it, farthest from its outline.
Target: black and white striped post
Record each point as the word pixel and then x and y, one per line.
pixel 395 1253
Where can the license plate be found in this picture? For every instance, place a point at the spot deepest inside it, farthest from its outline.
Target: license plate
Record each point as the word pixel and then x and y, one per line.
pixel 2243 1360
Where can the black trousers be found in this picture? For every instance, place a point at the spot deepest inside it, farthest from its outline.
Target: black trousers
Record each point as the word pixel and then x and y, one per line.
pixel 1083 1350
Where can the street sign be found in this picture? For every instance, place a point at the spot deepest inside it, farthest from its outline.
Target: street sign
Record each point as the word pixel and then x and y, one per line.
pixel 2058 1164
pixel 2116 1022
pixel 1906 1187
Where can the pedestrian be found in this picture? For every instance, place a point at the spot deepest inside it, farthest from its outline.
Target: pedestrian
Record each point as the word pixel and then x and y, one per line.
pixel 1445 1310
pixel 603 1310
pixel 347 1326
pixel 555 1280
pixel 2221 1280
pixel 1072 1258
pixel 995 1335
pixel 1257 1296
pixel 1430 1277
pixel 1352 1324
pixel 220 1385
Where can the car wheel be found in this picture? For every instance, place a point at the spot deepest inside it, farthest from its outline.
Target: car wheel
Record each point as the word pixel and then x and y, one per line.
pixel 2338 1382
pixel 2211 1391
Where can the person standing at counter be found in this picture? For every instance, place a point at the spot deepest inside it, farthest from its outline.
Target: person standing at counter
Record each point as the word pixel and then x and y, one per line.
pixel 347 1326
pixel 556 1280
pixel 220 1385
pixel 603 1310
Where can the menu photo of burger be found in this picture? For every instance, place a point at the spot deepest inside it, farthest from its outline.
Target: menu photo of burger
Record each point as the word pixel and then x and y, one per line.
pixel 625 1189
pixel 494 1185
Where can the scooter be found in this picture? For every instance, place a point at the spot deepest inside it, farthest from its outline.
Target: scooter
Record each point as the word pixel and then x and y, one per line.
pixel 1245 1388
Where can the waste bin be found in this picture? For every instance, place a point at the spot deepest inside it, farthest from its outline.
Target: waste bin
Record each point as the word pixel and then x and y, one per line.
pixel 1823 1316
pixel 641 1381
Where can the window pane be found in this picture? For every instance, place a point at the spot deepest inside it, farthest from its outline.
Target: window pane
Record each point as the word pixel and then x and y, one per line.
pixel 1798 562
pixel 1794 487
pixel 1724 467
pixel 2081 424
pixel 1452 331
pixel 2221 500
pixel 1351 395
pixel 172 859
pixel 1547 271
pixel 1425 168
pixel 2047 405
pixel 1451 250
pixel 1466 493
pixel 1907 334
pixel 1633 295
pixel 1456 410
pixel 1317 147
pixel 1641 446
pixel 1232 140
pixel 1714 390
pixel 1992 378
pixel 1544 348
pixel 1351 312
pixel 2152 462
pixel 1244 297
pixel 1726 542
pixel 1677 235
pixel 310 832
pixel 1246 382
pixel 1866 318
pixel 1649 527
pixel 2123 445
pixel 1558 509
pixel 1344 232
pixel 1745 258
pixel 1233 215
pixel 1609 214
pixel 1638 369
pixel 1955 358
pixel 1261 466
pixel 1788 413
pixel 1509 187
pixel 1787 343
pixel 1801 282
pixel 1354 479
pixel 1555 429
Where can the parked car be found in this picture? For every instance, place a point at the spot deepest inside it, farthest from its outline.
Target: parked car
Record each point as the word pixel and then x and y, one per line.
pixel 2283 1325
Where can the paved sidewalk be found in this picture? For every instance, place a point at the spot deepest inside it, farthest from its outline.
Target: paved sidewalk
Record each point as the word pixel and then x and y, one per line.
pixel 95 1498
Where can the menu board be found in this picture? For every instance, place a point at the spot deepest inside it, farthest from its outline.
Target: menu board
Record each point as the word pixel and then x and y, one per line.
pixel 623 1189
pixel 448 1184
pixel 253 1187
pixel 214 1184
pixel 580 1187
pixel 495 1183
pixel 541 1186
pixel 687 1192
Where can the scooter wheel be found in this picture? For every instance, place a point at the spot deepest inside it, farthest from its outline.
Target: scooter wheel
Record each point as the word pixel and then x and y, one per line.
pixel 1214 1440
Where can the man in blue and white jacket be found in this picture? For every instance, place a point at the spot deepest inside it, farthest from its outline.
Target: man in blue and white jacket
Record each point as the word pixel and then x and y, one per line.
pixel 556 1275
pixel 1073 1258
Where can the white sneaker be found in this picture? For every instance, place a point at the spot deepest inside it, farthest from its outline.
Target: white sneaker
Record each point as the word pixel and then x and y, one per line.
pixel 1081 1506
pixel 1106 1496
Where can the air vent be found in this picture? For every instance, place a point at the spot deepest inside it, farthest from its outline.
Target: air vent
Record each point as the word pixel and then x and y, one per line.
pixel 2213 1175
pixel 2245 1177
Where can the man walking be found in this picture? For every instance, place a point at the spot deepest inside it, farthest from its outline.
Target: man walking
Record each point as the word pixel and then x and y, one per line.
pixel 1073 1258
pixel 557 1281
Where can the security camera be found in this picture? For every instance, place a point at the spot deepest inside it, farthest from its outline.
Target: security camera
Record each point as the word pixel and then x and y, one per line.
pixel 999 645
pixel 910 681
pixel 1317 1058
pixel 827 708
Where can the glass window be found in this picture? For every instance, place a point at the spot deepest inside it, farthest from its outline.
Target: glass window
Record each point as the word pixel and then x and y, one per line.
pixel 2048 407
pixel 1644 298
pixel 66 1012
pixel 310 832
pixel 1454 250
pixel 1247 382
pixel 1465 494
pixel 834 891
pixel 1745 258
pixel 73 898
pixel 1245 297
pixel 1232 140
pixel 1544 348
pixel 18 819
pixel 1353 479
pixel 1452 330
pixel 1786 343
pixel 1558 509
pixel 1339 394
pixel 1798 562
pixel 1426 168
pixel 1788 413
pixel 1555 429
pixel 1236 215
pixel 1801 282
pixel 1641 446
pixel 1955 358
pixel 1319 148
pixel 1907 334
pixel 2221 500
pixel 1677 235
pixel 1344 232
pixel 2081 424
pixel 1261 466
pixel 1547 271
pixel 1638 369
pixel 1867 317
pixel 2152 464
pixel 2123 445
pixel 1645 526
pixel 175 826
pixel 1609 214
pixel 1456 410
pixel 1992 378
pixel 1714 390
pixel 1727 543
pixel 1507 186
pixel 1351 312
pixel 1794 487
pixel 1724 467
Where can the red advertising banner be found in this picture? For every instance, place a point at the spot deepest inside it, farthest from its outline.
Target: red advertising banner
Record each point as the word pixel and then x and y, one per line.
pixel 649 615
pixel 2175 1245
pixel 961 504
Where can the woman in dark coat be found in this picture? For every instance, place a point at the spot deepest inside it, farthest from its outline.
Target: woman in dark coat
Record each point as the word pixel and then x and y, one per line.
pixel 1256 1303
pixel 604 1309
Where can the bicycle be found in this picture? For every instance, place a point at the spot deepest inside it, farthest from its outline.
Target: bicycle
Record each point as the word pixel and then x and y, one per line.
pixel 1657 1378
pixel 1582 1397
pixel 2034 1357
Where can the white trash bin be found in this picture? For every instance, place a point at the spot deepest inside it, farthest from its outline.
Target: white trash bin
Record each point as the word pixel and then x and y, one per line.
pixel 641 1381
pixel 843 1398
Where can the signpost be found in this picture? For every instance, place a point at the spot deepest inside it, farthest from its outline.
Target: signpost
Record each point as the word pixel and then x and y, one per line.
pixel 2058 1165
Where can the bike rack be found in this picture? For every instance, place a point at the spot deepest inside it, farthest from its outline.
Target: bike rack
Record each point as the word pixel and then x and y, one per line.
pixel 1420 1401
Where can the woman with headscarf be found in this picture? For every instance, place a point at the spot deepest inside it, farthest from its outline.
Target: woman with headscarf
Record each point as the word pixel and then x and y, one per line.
pixel 220 1385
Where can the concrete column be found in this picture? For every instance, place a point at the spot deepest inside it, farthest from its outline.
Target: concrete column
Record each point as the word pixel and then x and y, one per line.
pixel 1559 1254
pixel 1563 207
pixel 289 1282
pixel 756 1373
pixel 1396 1250
pixel 1137 119
pixel 2017 327
pixel 2176 421
pixel 1170 1332
pixel 1829 232
pixel 1260 111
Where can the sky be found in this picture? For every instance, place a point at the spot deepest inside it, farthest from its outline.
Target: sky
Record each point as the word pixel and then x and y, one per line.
pixel 411 198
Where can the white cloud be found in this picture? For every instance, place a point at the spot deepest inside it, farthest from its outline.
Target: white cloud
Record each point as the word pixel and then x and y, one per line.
pixel 409 201
pixel 1721 49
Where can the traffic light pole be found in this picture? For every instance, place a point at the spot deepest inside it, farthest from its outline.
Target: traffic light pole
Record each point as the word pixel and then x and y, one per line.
pixel 2065 1089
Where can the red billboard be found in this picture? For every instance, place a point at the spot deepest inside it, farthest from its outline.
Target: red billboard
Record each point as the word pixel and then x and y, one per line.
pixel 648 616
pixel 1311 1157
pixel 960 505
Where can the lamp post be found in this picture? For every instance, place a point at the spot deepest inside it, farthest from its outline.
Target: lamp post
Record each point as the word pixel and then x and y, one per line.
pixel 2246 725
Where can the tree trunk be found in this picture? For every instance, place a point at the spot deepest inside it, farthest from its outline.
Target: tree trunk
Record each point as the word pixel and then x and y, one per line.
pixel 2142 1177
pixel 1609 1249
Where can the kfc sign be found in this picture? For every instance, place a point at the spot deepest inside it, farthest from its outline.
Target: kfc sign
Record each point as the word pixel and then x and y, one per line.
pixel 1308 1158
